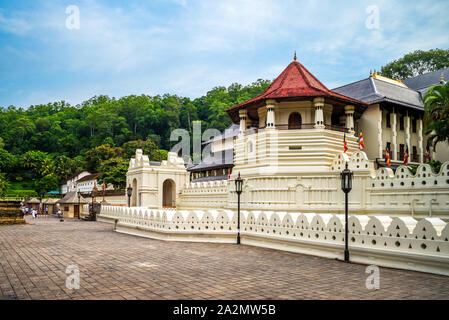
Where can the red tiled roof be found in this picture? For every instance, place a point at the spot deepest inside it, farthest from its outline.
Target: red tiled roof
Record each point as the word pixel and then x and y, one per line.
pixel 297 81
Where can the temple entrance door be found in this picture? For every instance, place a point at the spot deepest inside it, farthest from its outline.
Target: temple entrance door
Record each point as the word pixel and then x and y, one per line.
pixel 294 121
pixel 169 194
pixel 76 211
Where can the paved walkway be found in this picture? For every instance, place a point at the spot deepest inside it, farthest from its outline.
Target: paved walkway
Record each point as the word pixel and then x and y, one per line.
pixel 34 258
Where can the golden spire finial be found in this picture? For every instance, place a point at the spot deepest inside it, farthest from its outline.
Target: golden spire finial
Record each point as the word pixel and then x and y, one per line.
pixel 294 57
pixel 442 79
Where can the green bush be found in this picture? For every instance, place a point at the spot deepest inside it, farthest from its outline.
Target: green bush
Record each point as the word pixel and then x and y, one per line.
pixel 436 166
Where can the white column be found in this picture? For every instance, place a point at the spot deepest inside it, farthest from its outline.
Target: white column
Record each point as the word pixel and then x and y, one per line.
pixel 419 128
pixel 349 112
pixel 319 117
pixel 271 123
pixel 242 115
pixel 407 132
pixel 394 142
pixel 379 133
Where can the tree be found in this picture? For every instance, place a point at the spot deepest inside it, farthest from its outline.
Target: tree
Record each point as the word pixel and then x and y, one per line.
pixel 38 162
pixel 159 155
pixel 147 147
pixel 3 184
pixel 7 161
pixel 60 139
pixel 95 156
pixel 64 167
pixel 415 63
pixel 436 108
pixel 46 184
pixel 114 171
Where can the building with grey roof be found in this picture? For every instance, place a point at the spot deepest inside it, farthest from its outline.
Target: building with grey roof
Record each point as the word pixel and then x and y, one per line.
pixel 393 123
pixel 374 90
pixel 424 81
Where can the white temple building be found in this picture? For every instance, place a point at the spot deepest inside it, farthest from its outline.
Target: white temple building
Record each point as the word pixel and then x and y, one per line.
pixel 290 150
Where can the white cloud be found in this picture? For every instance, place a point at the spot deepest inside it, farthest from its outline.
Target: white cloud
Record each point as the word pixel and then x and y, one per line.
pixel 15 25
pixel 192 46
pixel 181 2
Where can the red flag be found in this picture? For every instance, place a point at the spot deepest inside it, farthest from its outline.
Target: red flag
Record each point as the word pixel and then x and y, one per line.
pixel 345 143
pixel 428 151
pixel 406 155
pixel 361 143
pixel 387 157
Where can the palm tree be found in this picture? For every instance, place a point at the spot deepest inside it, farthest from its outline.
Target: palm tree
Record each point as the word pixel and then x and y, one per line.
pixel 436 107
pixel 47 167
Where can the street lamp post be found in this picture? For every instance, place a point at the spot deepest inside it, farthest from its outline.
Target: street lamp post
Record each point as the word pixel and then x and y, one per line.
pixel 238 189
pixel 92 194
pixel 129 192
pixel 79 203
pixel 346 186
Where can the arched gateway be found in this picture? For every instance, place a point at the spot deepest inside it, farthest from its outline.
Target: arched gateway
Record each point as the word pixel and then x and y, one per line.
pixel 169 194
pixel 156 184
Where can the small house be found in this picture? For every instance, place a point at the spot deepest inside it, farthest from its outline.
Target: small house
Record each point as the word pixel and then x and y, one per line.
pixel 70 205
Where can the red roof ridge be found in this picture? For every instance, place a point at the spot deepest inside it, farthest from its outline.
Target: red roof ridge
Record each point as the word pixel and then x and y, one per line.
pixel 292 84
pixel 307 80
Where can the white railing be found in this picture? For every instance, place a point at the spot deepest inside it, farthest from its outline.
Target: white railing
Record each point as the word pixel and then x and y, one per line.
pixel 400 242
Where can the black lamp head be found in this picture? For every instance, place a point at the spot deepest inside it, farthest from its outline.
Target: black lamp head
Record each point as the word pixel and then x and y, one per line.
pixel 238 184
pixel 346 179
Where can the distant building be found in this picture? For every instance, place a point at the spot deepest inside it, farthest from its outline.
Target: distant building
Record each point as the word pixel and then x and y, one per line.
pixel 84 182
pixel 218 165
pixel 70 184
pixel 393 119
pixel 422 83
pixel 70 205
pixel 88 183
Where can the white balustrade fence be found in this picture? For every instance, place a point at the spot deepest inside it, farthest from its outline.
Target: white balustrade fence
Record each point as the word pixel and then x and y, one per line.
pixel 400 242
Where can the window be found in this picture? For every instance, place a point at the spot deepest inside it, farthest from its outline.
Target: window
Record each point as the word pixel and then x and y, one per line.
pixel 294 121
pixel 401 123
pixel 388 120
pixel 250 147
pixel 414 154
pixel 414 125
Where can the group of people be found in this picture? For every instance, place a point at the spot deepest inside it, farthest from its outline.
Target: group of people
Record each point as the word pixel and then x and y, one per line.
pixel 34 212
pixel 31 211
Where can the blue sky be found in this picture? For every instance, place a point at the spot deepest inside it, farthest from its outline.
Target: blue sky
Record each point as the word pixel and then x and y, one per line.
pixel 187 47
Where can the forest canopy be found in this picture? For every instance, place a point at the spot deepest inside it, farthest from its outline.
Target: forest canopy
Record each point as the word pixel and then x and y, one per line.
pixel 44 144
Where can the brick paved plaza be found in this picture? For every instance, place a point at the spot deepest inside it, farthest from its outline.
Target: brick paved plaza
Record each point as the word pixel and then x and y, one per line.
pixel 34 258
